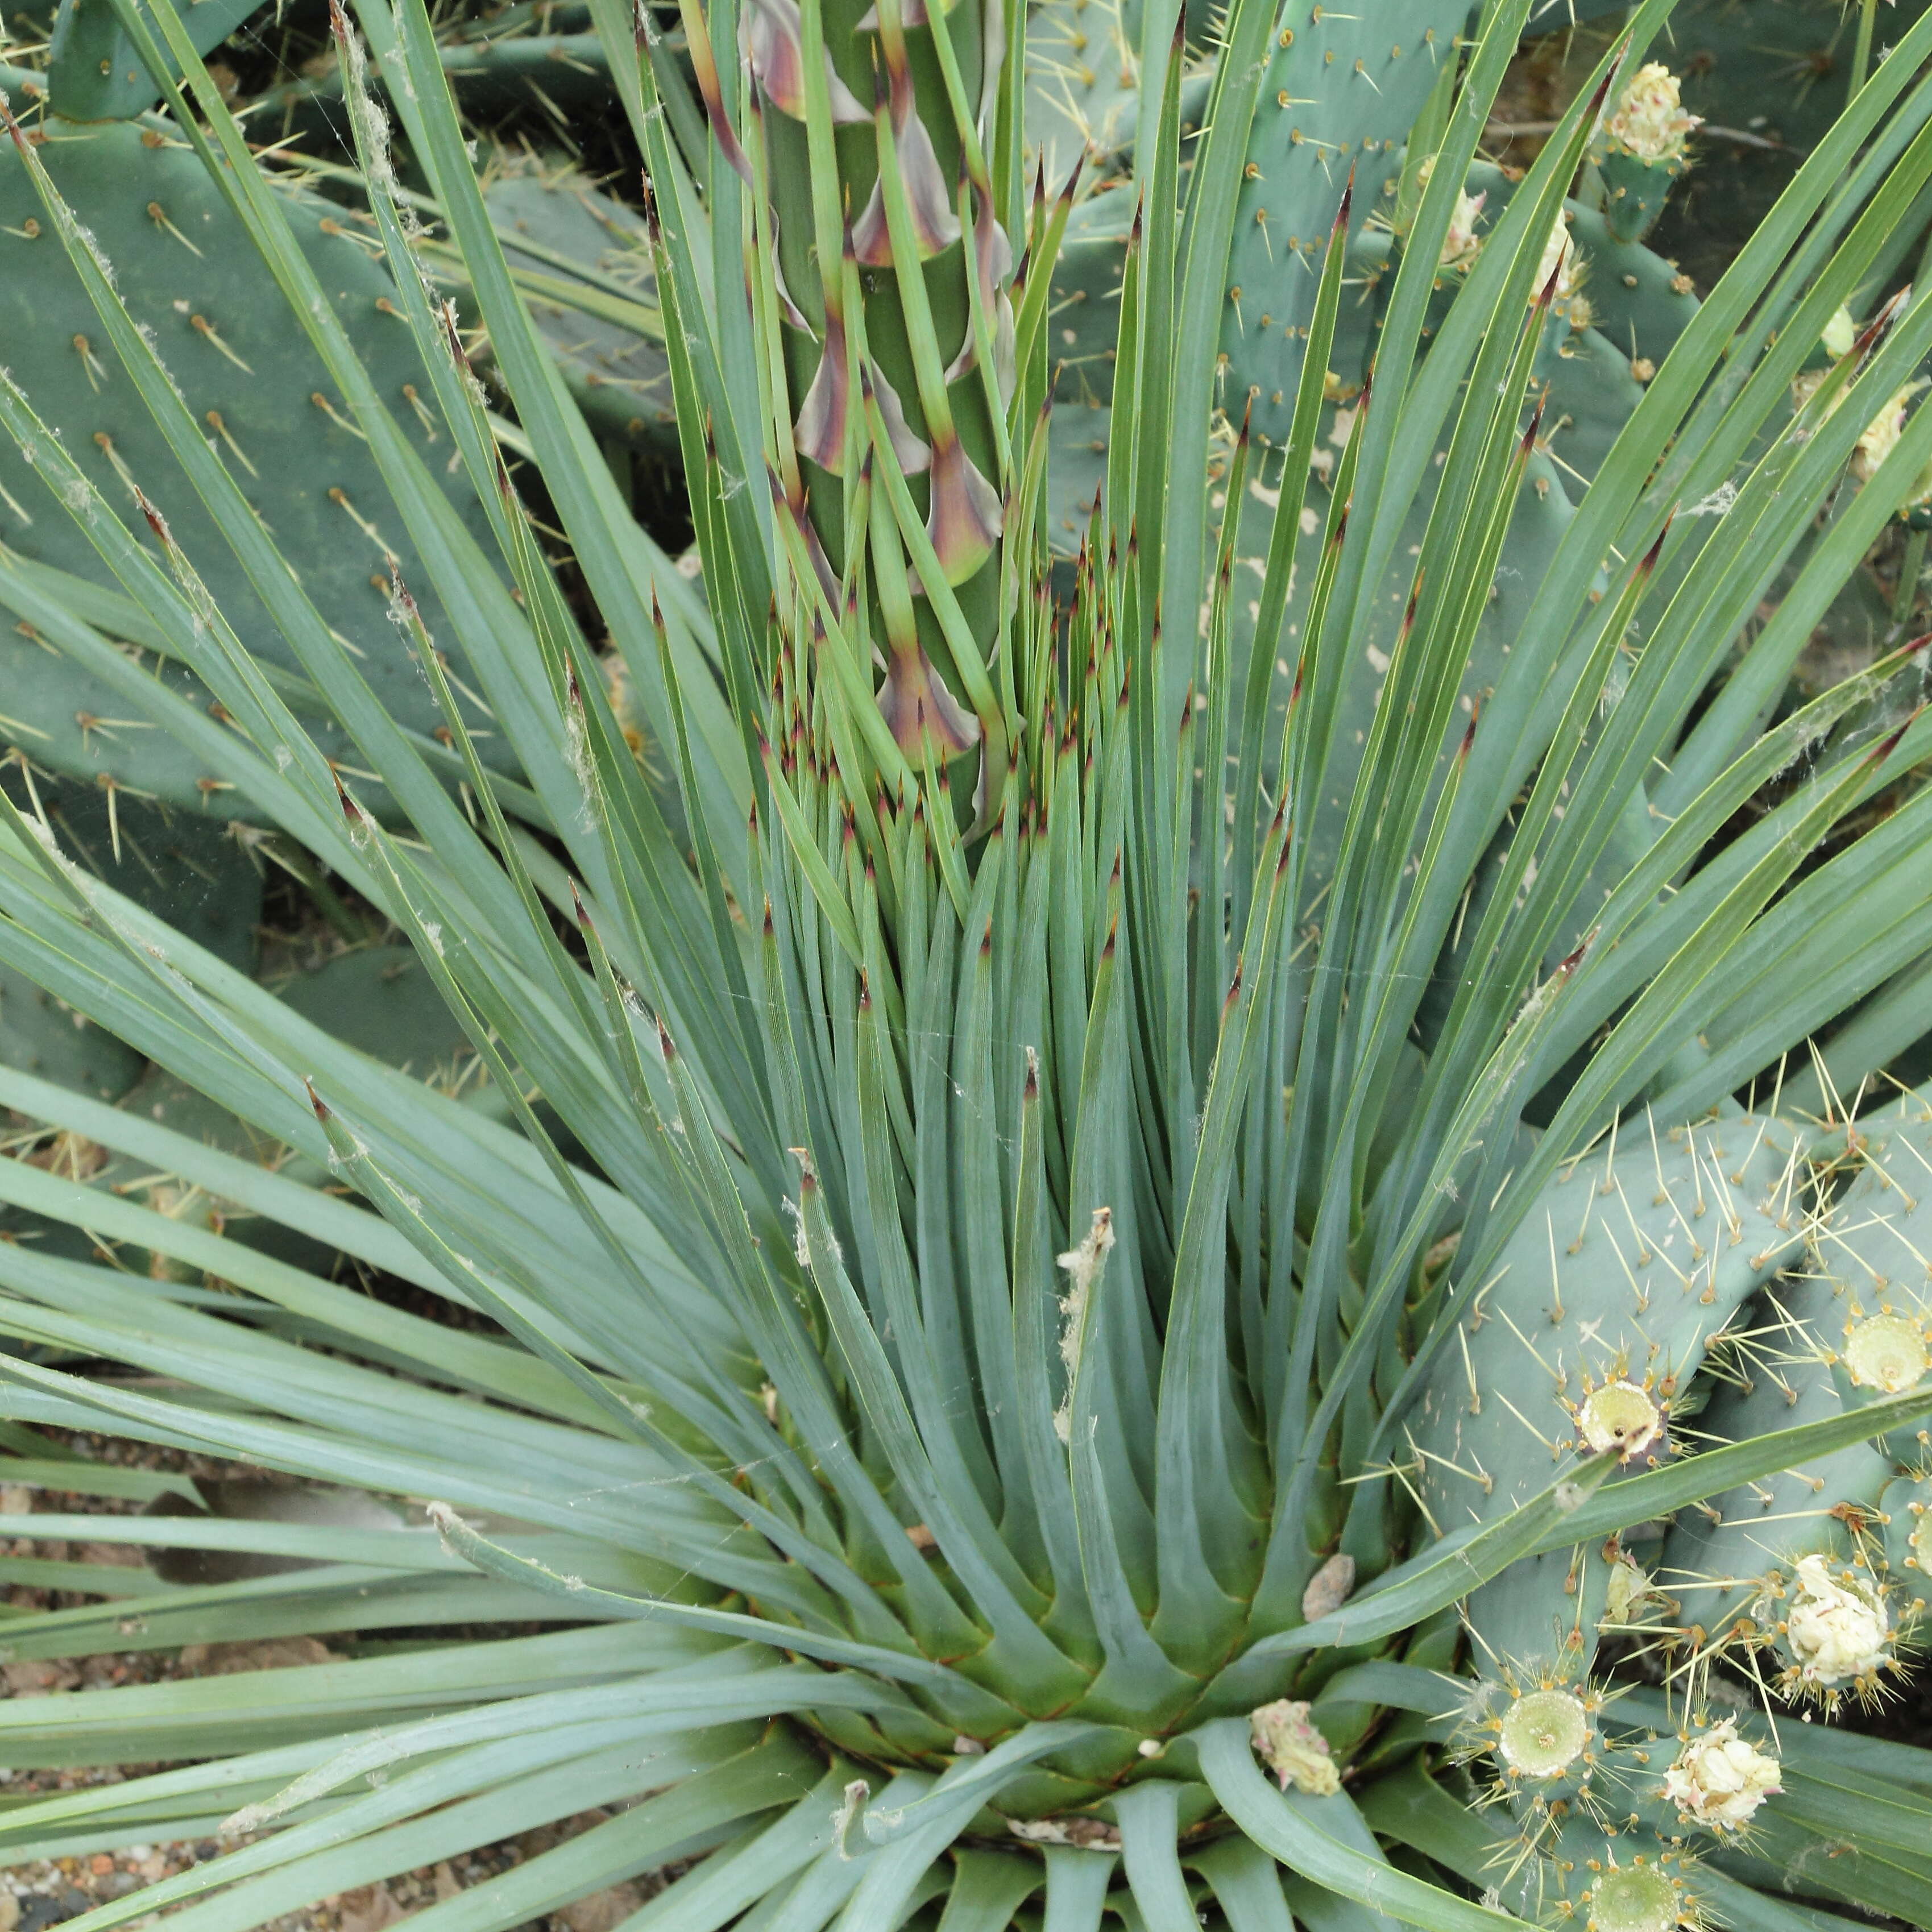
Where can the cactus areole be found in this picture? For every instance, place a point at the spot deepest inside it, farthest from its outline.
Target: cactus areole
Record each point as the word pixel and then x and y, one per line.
pixel 1636 1898
pixel 1544 1733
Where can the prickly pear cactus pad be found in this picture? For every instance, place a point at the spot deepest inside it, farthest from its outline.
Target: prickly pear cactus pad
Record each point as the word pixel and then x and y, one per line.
pixel 377 999
pixel 65 718
pixel 620 378
pixel 1340 92
pixel 1083 83
pixel 187 271
pixel 195 870
pixel 1084 321
pixel 1777 70
pixel 95 73
pixel 40 1036
pixel 1641 148
pixel 1590 1334
pixel 1812 1570
pixel 548 76
pixel 190 869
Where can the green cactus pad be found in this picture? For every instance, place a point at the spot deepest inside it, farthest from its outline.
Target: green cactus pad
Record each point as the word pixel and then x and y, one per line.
pixel 378 999
pixel 1907 1506
pixel 1595 382
pixel 186 869
pixel 40 1036
pixel 65 719
pixel 1083 324
pixel 1638 300
pixel 620 380
pixel 1593 387
pixel 187 271
pixel 1341 91
pixel 1635 190
pixel 1872 1246
pixel 1633 1258
pixel 1083 83
pixel 1841 1331
pixel 183 867
pixel 93 71
pixel 495 76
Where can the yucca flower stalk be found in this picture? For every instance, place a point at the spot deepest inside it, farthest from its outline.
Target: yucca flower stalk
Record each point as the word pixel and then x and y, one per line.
pixel 1051 1392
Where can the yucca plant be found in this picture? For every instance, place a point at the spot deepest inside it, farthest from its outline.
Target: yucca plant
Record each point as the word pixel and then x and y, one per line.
pixel 1153 1274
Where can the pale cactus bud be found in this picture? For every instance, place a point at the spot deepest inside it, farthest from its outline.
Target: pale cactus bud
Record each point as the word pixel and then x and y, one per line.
pixel 1805 385
pixel 1629 1588
pixel 1649 120
pixel 1886 1352
pixel 1559 259
pixel 1834 1630
pixel 1544 1733
pixel 1293 1749
pixel 1461 245
pixel 1720 1779
pixel 1880 436
pixel 1637 1898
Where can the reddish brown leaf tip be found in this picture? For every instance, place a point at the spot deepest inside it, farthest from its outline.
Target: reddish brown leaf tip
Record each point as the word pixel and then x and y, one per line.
pixel 157 522
pixel 1889 744
pixel 351 811
pixel 1234 992
pixel 1072 177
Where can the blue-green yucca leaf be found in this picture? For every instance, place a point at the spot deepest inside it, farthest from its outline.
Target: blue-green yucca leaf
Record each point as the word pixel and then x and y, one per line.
pixel 952 1379
pixel 1524 707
